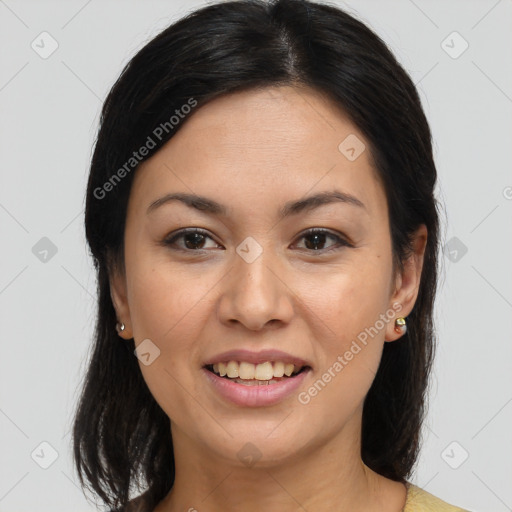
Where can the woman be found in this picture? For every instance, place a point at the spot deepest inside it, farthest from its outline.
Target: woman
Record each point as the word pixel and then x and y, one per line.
pixel 261 214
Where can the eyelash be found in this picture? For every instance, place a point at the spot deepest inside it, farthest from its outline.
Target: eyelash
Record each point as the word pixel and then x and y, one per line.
pixel 170 241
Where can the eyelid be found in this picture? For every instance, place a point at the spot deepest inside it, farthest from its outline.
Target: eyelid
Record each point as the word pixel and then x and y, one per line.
pixel 342 240
pixel 170 239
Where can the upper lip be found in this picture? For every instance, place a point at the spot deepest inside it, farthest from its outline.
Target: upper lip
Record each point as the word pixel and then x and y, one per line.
pixel 257 357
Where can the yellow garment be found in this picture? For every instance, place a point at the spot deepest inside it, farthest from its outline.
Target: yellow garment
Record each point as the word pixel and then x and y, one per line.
pixel 419 500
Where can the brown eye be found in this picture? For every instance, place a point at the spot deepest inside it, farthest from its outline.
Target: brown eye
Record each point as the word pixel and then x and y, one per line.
pixel 318 237
pixel 193 239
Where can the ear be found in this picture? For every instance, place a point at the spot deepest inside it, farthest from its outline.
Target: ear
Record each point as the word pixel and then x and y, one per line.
pixel 407 281
pixel 117 280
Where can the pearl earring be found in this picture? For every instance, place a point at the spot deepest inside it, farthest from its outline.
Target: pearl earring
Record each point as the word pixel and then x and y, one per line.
pixel 120 327
pixel 400 325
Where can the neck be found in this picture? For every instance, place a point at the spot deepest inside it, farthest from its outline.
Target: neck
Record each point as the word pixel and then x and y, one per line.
pixel 328 476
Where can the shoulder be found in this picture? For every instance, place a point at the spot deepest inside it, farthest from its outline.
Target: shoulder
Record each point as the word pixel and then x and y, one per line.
pixel 419 500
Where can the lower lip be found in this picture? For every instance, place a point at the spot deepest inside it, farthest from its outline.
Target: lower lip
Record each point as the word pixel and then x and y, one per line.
pixel 255 396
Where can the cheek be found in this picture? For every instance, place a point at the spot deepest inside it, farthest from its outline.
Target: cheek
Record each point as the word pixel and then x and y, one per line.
pixel 349 299
pixel 349 333
pixel 165 299
pixel 169 311
pixel 169 307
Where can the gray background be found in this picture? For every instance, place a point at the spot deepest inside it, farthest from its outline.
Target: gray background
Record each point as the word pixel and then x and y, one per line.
pixel 49 114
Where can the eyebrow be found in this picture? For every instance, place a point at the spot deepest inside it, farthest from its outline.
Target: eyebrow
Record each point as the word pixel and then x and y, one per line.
pixel 290 208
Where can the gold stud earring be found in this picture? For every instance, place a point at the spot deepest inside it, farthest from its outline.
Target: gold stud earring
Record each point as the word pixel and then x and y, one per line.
pixel 400 325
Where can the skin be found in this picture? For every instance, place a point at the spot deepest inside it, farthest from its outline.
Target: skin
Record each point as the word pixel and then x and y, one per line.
pixel 254 151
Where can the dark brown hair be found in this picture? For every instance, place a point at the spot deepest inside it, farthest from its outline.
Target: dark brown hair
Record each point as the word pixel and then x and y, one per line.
pixel 122 439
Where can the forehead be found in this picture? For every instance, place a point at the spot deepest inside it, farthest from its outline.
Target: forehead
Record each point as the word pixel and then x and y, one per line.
pixel 278 141
pixel 293 120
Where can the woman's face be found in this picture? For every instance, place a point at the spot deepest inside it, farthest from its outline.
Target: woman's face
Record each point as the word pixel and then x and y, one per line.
pixel 253 280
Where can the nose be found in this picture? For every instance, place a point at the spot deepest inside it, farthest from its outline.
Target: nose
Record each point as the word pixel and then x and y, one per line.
pixel 256 294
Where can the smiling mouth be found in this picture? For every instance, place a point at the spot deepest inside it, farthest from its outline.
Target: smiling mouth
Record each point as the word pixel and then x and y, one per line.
pixel 262 374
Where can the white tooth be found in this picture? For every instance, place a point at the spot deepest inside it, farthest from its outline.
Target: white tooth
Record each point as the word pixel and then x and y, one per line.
pixel 232 369
pixel 246 370
pixel 264 371
pixel 222 369
pixel 278 369
pixel 288 369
